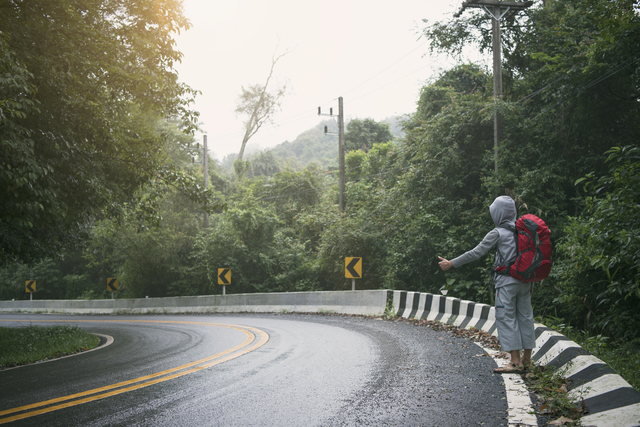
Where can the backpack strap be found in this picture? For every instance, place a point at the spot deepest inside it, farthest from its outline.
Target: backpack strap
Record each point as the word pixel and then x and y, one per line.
pixel 503 262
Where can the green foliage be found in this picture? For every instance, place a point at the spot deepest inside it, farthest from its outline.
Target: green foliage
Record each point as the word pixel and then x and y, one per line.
pixel 262 255
pixel 263 163
pixel 600 268
pixel 83 85
pixel 350 236
pixel 553 398
pixel 389 311
pixel 363 134
pixel 55 279
pixel 439 204
pixel 312 146
pixel 291 193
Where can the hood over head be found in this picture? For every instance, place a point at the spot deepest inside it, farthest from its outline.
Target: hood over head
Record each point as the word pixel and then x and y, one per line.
pixel 503 211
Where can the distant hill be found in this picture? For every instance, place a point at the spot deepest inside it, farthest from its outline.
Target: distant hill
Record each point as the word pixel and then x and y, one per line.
pixel 395 124
pixel 311 146
pixel 314 146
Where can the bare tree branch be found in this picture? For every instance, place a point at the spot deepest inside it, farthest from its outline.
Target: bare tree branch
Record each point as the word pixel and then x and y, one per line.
pixel 259 105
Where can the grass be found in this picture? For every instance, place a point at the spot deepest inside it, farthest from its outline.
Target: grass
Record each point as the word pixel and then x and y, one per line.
pixel 19 346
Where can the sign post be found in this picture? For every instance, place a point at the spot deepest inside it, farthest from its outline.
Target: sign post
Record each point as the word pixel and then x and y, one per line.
pixel 112 285
pixel 224 278
pixel 30 288
pixel 353 270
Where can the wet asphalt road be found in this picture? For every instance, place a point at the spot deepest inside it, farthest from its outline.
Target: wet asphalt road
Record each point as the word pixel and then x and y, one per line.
pixel 313 371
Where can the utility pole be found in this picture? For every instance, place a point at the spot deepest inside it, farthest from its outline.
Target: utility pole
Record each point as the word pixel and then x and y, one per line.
pixel 494 9
pixel 341 184
pixel 205 167
pixel 341 153
pixel 204 156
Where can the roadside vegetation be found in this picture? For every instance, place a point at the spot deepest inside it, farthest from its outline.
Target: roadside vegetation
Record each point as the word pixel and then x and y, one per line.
pixel 132 205
pixel 31 344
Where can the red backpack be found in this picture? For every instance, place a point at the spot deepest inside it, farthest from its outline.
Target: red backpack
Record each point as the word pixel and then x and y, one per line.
pixel 533 259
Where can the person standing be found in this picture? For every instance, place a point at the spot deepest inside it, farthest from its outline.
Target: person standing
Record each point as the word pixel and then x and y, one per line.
pixel 514 313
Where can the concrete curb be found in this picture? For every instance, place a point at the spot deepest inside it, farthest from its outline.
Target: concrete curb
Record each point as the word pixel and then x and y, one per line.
pixel 369 302
pixel 611 401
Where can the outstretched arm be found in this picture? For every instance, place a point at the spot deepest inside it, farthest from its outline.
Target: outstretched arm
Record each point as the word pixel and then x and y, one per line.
pixel 489 241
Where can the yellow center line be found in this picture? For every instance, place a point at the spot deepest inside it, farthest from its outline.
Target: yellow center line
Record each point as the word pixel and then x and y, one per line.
pixel 145 381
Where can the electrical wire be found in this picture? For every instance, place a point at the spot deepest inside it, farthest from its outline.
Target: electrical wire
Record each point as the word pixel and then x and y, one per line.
pixel 531 95
pixel 328 185
pixel 310 113
pixel 611 72
pixel 389 84
pixel 367 81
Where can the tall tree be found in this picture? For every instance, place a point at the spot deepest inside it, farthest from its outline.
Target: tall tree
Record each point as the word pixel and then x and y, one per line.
pixel 572 73
pixel 362 134
pixel 258 104
pixel 83 84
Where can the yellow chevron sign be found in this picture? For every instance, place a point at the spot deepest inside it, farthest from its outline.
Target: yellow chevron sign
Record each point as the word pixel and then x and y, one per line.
pixel 224 276
pixel 353 267
pixel 112 284
pixel 30 286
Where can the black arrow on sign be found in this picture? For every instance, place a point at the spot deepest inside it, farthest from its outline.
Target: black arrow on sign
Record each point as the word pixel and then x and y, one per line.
pixel 222 276
pixel 351 268
pixel 31 283
pixel 112 284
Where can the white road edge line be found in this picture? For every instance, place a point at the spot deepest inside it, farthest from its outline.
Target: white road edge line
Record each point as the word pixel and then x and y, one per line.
pixel 520 407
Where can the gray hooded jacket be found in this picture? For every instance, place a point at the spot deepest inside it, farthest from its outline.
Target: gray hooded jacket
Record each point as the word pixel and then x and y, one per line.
pixel 503 212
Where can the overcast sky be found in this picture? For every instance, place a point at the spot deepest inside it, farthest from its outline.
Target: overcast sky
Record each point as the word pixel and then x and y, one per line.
pixel 368 52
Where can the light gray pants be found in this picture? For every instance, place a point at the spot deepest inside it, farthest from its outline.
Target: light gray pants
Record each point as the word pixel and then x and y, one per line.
pixel 514 317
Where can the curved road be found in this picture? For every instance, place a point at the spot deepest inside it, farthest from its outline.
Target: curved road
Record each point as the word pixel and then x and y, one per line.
pixel 255 370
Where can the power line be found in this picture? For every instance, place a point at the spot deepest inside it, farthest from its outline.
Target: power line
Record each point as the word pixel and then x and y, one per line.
pixel 389 84
pixel 531 95
pixel 366 81
pixel 592 83
pixel 613 71
pixel 280 196
pixel 307 114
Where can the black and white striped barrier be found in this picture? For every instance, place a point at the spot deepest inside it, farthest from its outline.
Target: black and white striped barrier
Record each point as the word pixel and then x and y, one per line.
pixel 610 400
pixel 454 311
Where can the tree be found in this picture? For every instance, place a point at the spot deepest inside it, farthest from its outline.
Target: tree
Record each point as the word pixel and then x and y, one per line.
pixel 259 105
pixel 83 85
pixel 362 134
pixel 571 75
pixel 263 163
pixel 599 270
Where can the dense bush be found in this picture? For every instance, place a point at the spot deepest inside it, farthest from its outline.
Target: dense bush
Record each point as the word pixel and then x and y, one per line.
pixel 599 263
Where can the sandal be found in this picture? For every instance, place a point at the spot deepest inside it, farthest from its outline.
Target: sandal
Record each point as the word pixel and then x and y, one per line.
pixel 511 368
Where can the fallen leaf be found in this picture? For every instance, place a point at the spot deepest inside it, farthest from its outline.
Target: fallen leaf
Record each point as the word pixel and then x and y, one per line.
pixel 561 421
pixel 562 389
